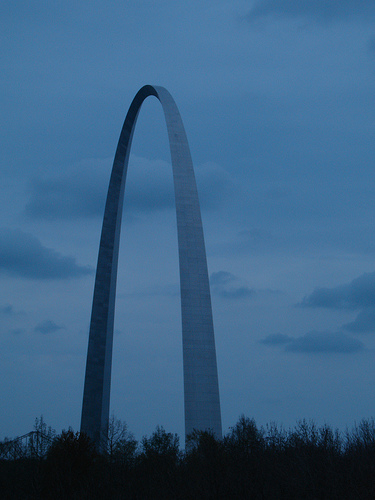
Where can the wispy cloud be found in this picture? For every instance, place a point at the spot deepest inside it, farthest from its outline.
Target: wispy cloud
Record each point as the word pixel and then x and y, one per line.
pixel 23 255
pixel 7 310
pixel 17 331
pixel 227 285
pixel 277 339
pixel 47 326
pixel 315 342
pixel 325 342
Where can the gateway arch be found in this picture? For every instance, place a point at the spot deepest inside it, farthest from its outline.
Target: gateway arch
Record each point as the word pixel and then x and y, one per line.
pixel 201 388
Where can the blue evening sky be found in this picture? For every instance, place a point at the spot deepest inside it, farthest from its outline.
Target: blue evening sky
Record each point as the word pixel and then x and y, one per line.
pixel 277 98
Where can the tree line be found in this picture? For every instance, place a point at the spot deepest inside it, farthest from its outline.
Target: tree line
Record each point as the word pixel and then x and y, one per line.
pixel 249 462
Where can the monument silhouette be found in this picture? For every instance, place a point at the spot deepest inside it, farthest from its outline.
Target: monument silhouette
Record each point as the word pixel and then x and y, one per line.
pixel 201 388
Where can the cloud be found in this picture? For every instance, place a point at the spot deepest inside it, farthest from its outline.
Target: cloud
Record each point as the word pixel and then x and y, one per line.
pixel 171 290
pixel 75 193
pixel 277 339
pixel 364 322
pixel 46 327
pixel 319 10
pixel 221 278
pixel 80 191
pixel 316 342
pixel 7 310
pixel 17 331
pixel 152 185
pixel 23 255
pixel 371 45
pixel 357 294
pixel 215 185
pixel 324 342
pixel 227 285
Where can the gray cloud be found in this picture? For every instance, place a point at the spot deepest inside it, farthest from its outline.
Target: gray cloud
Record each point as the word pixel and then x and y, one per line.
pixel 357 294
pixel 324 342
pixel 316 342
pixel 320 10
pixel 227 285
pixel 153 186
pixel 80 191
pixel 363 323
pixel 371 45
pixel 17 331
pixel 46 327
pixel 276 339
pixel 221 278
pixel 215 185
pixel 171 290
pixel 7 310
pixel 52 199
pixel 77 192
pixel 23 255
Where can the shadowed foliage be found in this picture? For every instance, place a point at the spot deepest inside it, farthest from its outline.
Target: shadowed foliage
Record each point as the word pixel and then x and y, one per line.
pixel 250 462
